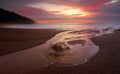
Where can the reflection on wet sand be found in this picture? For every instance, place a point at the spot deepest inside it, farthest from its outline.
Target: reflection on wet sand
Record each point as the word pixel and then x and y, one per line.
pixel 82 42
pixel 74 47
pixel 68 48
pixel 87 31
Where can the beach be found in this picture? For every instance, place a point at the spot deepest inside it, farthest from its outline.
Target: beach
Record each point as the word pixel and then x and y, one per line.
pixel 59 36
pixel 106 61
pixel 13 40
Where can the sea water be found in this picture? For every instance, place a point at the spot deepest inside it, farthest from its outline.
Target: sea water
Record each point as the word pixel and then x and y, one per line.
pixel 62 26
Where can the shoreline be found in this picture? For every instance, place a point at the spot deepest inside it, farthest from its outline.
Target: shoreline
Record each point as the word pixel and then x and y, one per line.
pixel 14 40
pixel 106 61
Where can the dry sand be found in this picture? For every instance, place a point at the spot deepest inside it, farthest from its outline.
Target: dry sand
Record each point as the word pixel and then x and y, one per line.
pixel 13 40
pixel 106 61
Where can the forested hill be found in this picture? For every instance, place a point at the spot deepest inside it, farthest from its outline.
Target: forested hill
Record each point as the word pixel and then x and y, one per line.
pixel 7 17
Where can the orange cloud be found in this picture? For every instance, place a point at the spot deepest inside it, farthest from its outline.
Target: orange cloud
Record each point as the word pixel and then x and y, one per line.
pixel 60 9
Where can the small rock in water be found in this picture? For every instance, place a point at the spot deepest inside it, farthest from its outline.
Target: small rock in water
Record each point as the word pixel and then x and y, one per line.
pixel 60 47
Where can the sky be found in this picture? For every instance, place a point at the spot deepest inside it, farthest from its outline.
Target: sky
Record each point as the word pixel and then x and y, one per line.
pixel 66 11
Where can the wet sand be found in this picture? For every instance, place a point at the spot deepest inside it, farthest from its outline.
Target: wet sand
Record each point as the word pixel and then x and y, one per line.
pixel 106 61
pixel 13 40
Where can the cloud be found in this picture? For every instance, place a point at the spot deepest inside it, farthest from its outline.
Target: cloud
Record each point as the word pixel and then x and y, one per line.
pixel 100 11
pixel 111 2
pixel 60 9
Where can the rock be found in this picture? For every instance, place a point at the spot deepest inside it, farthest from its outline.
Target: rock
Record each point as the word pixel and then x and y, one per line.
pixel 107 29
pixel 60 47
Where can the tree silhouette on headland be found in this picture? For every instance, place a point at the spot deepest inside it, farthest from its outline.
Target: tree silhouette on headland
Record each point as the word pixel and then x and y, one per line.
pixel 7 17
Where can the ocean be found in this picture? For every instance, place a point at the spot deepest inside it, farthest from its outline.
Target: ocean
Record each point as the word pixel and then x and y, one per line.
pixel 62 26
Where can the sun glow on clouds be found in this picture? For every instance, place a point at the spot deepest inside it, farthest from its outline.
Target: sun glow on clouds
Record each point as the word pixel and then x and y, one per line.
pixel 60 9
pixel 112 1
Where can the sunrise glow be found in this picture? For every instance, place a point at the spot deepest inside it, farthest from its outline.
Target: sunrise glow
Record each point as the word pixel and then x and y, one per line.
pixel 72 11
pixel 60 9
pixel 52 11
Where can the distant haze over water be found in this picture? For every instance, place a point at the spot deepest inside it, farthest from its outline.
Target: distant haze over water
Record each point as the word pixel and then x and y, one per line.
pixel 62 26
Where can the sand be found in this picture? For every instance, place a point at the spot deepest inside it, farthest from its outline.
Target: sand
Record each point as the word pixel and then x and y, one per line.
pixel 13 40
pixel 106 61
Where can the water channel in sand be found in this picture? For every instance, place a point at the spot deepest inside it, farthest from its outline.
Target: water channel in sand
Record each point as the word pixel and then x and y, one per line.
pixel 77 48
